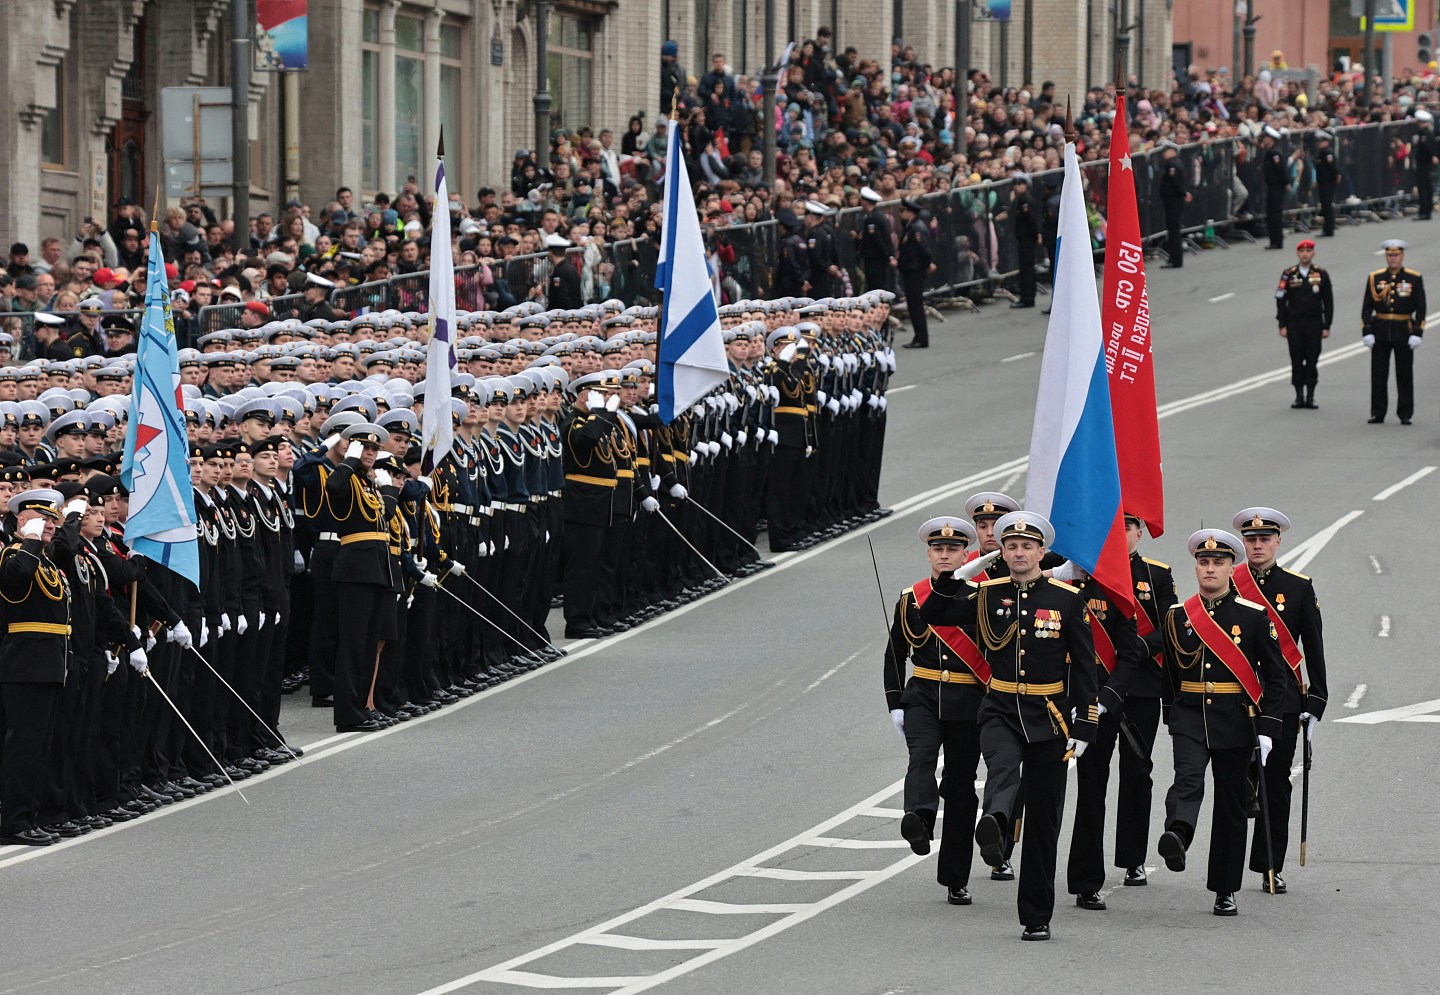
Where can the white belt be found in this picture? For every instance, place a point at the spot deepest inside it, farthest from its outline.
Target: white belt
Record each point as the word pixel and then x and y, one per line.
pixel 329 537
pixel 513 507
pixel 556 493
pixel 537 498
pixel 463 509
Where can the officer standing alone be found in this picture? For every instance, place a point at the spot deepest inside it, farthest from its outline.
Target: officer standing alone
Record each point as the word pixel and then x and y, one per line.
pixel 1174 194
pixel 1304 309
pixel 1277 178
pixel 916 263
pixel 1392 320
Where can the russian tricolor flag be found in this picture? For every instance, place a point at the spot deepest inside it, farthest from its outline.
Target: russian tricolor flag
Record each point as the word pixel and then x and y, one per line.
pixel 1074 477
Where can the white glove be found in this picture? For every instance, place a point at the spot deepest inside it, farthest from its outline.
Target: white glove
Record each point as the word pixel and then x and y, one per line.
pixel 654 482
pixel 714 448
pixel 180 634
pixel 825 361
pixel 224 623
pixel 833 406
pixel 277 618
pixel 774 394
pixel 1266 745
pixel 1415 341
pixel 1311 721
pixel 204 632
pixel 897 716
pixel 150 641
pixel 731 401
pixel 650 505
pixel 421 564
pixel 507 544
pixel 138 660
pixel 750 391
pixel 299 562
pixel 694 458
pixel 492 546
pixel 458 568
pixel 856 396
pixel 75 506
pixel 260 621
pixel 821 396
pixel 426 482
pixel 884 403
pixel 613 403
pixel 727 440
pixel 355 450
pixel 870 402
pixel 1100 709
pixel 112 662
pixel 678 492
pixel 867 358
pixel 484 549
pixel 1065 571
pixel 1077 745
pixel 33 529
pixel 547 535
pixel 1369 340
pixel 742 437
pixel 773 437
pixel 429 579
pixel 809 451
pixel 242 624
pixel 331 442
pixel 594 400
pixel 382 478
pixel 787 353
pixel 977 565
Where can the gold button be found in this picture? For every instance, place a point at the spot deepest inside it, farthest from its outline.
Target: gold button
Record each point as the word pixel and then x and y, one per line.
pixel 1209 701
pixel 944 657
pixel 944 677
pixel 1024 594
pixel 1022 673
pixel 1023 631
pixel 1022 652
pixel 1020 688
pixel 1024 612
pixel 1208 666
pixel 1209 687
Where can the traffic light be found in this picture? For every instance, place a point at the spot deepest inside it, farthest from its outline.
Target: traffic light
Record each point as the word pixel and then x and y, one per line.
pixel 1426 47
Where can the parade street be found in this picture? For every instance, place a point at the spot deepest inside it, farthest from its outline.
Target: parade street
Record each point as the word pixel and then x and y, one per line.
pixel 708 804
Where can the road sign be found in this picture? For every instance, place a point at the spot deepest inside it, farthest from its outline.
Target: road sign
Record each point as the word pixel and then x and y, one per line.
pixel 1390 15
pixel 196 140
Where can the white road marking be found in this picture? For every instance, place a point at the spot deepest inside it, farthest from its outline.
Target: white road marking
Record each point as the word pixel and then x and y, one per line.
pixel 1418 712
pixel 1384 632
pixel 897 390
pixel 1222 297
pixel 1354 700
pixel 1018 356
pixel 1394 489
pixel 582 648
pixel 836 669
pixel 620 942
pixel 1375 565
pixel 1301 556
pixel 1011 481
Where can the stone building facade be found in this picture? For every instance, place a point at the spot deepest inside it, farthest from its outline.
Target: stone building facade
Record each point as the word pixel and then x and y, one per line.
pixel 83 81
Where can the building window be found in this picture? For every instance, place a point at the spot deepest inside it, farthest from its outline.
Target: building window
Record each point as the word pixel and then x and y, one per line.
pixel 452 100
pixel 409 97
pixel 52 128
pixel 570 71
pixel 369 96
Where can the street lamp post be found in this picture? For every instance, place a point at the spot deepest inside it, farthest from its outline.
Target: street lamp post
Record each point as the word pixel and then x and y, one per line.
pixel 543 100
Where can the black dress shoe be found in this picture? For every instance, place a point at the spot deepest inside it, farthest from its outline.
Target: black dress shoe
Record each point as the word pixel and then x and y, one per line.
pixel 327 701
pixel 1136 877
pixel 1015 306
pixel 1002 872
pixel 588 632
pixel 68 830
pixel 916 345
pixel 991 839
pixel 1090 900
pixel 1279 885
pixel 30 837
pixel 957 896
pixel 235 773
pixel 1172 848
pixel 1040 932
pixel 1298 403
pixel 1225 904
pixel 98 821
pixel 1173 266
pixel 1404 421
pixel 1377 420
pixel 369 725
pixel 120 814
pixel 916 833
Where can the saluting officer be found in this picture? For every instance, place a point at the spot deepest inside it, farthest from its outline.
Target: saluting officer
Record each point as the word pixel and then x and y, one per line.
pixel 1174 195
pixel 1392 320
pixel 824 276
pixel 876 242
pixel 1304 309
pixel 1223 662
pixel 1289 599
pixel 916 262
pixel 1031 629
pixel 936 708
pixel 1422 154
pixel 1327 177
pixel 1277 178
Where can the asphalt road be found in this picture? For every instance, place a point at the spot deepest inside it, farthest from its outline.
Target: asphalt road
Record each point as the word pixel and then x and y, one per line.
pixel 706 804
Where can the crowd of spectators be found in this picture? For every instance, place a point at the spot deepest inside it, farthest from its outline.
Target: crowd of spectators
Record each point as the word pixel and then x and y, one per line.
pixel 844 122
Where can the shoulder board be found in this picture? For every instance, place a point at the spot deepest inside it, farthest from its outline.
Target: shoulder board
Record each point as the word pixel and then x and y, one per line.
pixel 1377 272
pixel 1156 563
pixel 1249 604
pixel 994 580
pixel 1292 269
pixel 1315 269
pixel 907 592
pixel 1410 272
pixel 1296 573
pixel 1060 583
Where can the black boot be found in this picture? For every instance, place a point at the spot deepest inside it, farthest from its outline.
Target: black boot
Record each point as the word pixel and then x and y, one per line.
pixel 1299 401
pixel 1310 397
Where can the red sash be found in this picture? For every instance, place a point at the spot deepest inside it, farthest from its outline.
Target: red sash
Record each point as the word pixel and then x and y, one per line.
pixel 1104 645
pixel 1250 591
pixel 1217 641
pixel 954 637
pixel 1144 626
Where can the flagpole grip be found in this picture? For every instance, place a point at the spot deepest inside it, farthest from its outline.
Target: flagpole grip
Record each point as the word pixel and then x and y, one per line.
pixel 134 599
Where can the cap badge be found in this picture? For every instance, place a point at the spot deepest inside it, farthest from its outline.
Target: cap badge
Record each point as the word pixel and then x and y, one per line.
pixel 1256 522
pixel 947 531
pixel 1210 543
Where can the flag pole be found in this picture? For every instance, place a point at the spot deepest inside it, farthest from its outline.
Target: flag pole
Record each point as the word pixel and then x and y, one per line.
pixel 664 297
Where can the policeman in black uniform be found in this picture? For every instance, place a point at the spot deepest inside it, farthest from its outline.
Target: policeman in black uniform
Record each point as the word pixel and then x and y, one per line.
pixel 916 262
pixel 792 261
pixel 820 246
pixel 936 708
pixel 1327 177
pixel 1025 222
pixel 1392 320
pixel 1304 308
pixel 1277 178
pixel 1289 599
pixel 1223 663
pixel 1422 151
pixel 876 242
pixel 1031 629
pixel 562 289
pixel 1174 195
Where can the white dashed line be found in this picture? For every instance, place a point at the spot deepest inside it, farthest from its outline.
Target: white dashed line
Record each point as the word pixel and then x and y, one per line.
pixel 1384 632
pixel 1222 297
pixel 1017 356
pixel 1354 700
pixel 1393 489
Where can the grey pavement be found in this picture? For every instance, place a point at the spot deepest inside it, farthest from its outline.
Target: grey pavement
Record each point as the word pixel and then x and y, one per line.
pixel 717 739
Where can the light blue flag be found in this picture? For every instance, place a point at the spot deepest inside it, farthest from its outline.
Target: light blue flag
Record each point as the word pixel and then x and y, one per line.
pixel 156 467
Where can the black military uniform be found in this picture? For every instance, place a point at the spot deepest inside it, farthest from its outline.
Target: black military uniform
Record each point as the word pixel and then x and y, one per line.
pixel 1289 599
pixel 792 263
pixel 1327 178
pixel 1392 320
pixel 1304 309
pixel 562 290
pixel 1422 152
pixel 820 248
pixel 1277 178
pixel 938 704
pixel 1223 662
pixel 1031 632
pixel 1025 221
pixel 1174 192
pixel 877 246
pixel 590 482
pixel 915 259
